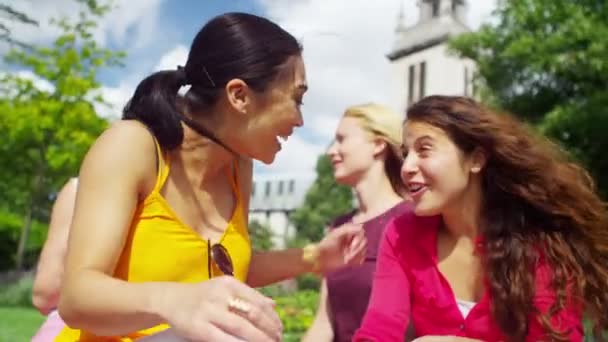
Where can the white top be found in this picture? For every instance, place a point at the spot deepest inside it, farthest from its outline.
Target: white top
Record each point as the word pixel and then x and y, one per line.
pixel 465 306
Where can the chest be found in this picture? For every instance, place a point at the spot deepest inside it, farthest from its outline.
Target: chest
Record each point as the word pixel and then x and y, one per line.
pixel 206 209
pixel 433 300
pixel 460 267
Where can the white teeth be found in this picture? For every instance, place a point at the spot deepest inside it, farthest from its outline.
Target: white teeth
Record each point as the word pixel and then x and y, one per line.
pixel 414 188
pixel 283 138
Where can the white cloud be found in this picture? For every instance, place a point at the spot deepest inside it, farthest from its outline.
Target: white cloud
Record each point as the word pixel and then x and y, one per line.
pixel 118 96
pixel 39 83
pixel 170 60
pixel 130 24
pixel 345 46
pixel 297 156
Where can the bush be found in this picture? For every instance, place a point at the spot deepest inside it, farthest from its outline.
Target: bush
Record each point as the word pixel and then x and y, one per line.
pixel 10 230
pixel 297 311
pixel 18 293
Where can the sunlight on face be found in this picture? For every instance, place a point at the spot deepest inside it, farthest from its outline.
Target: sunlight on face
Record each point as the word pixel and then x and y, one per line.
pixel 352 152
pixel 276 113
pixel 434 170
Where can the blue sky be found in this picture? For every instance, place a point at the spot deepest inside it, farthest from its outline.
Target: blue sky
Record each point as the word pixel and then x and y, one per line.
pixel 345 43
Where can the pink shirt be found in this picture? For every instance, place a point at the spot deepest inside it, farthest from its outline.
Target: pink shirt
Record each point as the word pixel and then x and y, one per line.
pixel 408 285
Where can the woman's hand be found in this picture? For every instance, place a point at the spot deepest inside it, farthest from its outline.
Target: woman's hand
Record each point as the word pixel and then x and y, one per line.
pixel 342 246
pixel 220 309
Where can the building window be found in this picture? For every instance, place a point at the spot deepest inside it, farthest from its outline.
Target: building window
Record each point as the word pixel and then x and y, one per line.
pixel 411 79
pixel 280 191
pixel 416 82
pixel 292 184
pixel 422 80
pixel 267 192
pixel 435 6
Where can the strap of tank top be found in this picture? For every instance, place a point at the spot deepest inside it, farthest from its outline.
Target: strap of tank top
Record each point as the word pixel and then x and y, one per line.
pixel 163 166
pixel 234 179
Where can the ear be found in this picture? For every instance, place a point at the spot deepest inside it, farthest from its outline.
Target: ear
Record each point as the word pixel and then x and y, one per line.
pixel 238 94
pixel 478 160
pixel 379 146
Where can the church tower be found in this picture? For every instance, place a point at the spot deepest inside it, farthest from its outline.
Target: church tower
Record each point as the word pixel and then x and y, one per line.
pixel 420 61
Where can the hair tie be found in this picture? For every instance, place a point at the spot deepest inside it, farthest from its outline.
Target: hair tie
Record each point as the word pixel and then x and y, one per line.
pixel 181 73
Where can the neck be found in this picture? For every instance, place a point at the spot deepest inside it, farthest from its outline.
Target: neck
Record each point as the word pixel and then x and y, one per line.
pixel 200 158
pixel 463 218
pixel 374 193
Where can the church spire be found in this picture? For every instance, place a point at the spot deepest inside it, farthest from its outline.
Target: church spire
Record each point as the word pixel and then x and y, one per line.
pixel 400 19
pixel 430 9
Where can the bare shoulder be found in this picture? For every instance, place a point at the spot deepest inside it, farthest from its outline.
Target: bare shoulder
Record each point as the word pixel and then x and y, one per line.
pixel 125 148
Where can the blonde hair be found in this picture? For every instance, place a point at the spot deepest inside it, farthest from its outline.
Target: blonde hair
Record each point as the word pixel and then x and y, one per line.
pixel 383 123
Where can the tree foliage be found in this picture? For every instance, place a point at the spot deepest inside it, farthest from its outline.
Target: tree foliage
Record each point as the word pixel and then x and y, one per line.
pixel 546 62
pixel 325 200
pixel 260 236
pixel 47 115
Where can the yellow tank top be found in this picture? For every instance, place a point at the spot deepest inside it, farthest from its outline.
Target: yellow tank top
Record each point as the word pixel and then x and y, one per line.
pixel 160 247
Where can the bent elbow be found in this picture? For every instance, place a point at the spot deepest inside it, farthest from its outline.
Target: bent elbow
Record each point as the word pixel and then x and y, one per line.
pixel 44 299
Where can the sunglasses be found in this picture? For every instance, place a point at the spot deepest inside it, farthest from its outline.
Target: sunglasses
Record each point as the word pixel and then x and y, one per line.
pixel 221 258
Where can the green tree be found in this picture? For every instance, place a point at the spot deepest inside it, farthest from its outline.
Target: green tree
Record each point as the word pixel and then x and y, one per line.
pixel 546 61
pixel 261 236
pixel 325 200
pixel 9 14
pixel 47 130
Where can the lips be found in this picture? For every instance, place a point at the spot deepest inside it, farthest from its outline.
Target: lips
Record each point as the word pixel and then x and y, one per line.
pixel 282 138
pixel 416 189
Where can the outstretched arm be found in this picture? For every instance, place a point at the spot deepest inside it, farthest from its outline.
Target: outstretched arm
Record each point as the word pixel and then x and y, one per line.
pixel 45 293
pixel 342 246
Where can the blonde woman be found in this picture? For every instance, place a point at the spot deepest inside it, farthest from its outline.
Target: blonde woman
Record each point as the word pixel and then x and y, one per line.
pixel 365 156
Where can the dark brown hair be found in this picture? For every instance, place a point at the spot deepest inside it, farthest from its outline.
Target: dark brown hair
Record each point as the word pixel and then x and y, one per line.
pixel 231 45
pixel 538 207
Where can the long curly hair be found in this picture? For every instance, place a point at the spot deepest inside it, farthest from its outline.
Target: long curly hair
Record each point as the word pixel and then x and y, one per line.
pixel 538 205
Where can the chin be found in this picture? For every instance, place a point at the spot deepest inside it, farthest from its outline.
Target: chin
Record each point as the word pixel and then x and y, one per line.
pixel 267 159
pixel 426 210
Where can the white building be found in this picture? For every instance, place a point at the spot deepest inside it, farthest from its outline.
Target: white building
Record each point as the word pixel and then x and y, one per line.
pixel 420 61
pixel 274 197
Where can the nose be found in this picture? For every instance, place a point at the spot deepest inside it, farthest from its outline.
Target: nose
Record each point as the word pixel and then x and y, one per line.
pixel 299 120
pixel 332 149
pixel 409 167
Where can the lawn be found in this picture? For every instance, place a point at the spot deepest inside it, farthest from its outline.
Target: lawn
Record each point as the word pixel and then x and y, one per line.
pixel 19 324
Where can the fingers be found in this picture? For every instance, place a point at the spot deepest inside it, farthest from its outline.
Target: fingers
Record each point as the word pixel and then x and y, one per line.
pixel 355 253
pixel 240 290
pixel 250 328
pixel 261 308
pixel 356 247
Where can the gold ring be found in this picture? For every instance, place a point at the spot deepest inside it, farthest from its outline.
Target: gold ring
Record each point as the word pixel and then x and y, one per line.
pixel 239 305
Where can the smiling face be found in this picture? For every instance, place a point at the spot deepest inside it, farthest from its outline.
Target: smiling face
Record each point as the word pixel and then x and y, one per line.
pixel 353 151
pixel 435 171
pixel 271 116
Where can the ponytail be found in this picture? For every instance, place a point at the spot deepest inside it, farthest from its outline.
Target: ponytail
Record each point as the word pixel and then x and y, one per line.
pixel 154 103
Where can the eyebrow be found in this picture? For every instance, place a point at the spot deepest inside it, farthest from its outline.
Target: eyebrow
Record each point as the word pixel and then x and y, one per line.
pixel 419 141
pixel 424 137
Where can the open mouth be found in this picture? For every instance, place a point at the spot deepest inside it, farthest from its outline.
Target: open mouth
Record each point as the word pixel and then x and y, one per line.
pixel 281 139
pixel 416 189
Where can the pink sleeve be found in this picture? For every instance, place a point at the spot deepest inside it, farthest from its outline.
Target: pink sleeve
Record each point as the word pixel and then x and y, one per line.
pixel 568 320
pixel 388 311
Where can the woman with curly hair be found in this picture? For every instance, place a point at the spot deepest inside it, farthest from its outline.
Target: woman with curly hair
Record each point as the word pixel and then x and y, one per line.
pixel 508 240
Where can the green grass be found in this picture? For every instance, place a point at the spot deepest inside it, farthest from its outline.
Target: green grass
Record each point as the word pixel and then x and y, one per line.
pixel 19 324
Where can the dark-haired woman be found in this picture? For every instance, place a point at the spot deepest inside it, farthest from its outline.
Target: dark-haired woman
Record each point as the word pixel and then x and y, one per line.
pixel 507 241
pixel 159 234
